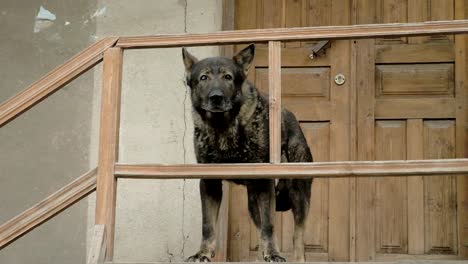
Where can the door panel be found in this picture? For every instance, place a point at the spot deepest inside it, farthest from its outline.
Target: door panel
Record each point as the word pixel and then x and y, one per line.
pixel 440 191
pixel 391 192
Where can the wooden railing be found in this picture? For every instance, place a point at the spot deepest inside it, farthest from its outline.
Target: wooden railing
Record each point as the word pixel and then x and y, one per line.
pixel 47 208
pixel 54 80
pixel 108 171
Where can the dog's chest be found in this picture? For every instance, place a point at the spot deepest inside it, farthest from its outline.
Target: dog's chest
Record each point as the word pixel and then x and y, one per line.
pixel 239 144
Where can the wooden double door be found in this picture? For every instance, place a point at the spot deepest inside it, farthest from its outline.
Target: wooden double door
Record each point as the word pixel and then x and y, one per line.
pixel 402 98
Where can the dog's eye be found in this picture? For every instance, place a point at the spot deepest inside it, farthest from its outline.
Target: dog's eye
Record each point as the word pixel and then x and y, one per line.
pixel 228 77
pixel 203 77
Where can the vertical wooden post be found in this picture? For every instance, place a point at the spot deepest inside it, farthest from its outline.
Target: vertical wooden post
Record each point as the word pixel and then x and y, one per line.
pixel 274 77
pixel 461 134
pixel 109 144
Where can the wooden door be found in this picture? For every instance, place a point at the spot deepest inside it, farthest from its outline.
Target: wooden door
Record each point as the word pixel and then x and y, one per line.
pixel 404 98
pixel 322 107
pixel 411 104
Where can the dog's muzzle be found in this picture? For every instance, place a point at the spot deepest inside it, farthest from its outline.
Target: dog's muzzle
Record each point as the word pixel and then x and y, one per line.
pixel 217 102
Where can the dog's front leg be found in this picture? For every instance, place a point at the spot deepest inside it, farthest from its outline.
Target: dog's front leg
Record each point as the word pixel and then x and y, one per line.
pixel 264 191
pixel 211 193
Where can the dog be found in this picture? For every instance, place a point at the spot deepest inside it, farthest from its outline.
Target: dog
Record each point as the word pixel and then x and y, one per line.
pixel 231 126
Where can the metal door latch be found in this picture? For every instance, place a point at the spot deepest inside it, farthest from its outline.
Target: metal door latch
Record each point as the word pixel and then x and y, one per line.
pixel 319 49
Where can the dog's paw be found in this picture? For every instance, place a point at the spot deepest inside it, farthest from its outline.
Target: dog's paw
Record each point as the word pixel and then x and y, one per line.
pixel 198 258
pixel 274 258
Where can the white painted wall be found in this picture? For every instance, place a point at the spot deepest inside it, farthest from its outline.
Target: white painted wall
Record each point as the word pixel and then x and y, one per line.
pixel 157 220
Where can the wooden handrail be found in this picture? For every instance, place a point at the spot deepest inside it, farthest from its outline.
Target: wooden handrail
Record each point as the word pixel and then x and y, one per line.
pixel 47 208
pixel 54 80
pixel 295 170
pixel 291 34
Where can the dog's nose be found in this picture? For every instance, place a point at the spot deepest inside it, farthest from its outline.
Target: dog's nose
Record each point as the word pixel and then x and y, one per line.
pixel 216 97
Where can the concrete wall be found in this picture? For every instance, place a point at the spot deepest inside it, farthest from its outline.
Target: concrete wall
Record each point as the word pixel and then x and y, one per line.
pixel 48 146
pixel 156 220
pixel 57 140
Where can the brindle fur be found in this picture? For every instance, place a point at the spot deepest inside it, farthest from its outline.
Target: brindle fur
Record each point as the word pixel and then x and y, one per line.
pixel 231 126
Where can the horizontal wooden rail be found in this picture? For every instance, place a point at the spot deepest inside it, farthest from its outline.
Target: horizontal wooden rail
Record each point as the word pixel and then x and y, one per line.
pixel 295 170
pixel 47 208
pixel 290 34
pixel 54 80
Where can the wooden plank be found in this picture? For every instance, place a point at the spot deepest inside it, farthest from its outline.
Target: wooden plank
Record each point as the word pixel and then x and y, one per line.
pixel 392 11
pixel 394 108
pixel 291 34
pixel 109 144
pixel 274 83
pixel 414 139
pixel 461 121
pixel 418 12
pixel 365 188
pixel 294 170
pixel 98 245
pixel 292 18
pixel 54 80
pixel 228 24
pixel 249 20
pixel 47 208
pixel 222 227
pixel 239 229
pixel 339 189
pixel 441 10
pixel 415 53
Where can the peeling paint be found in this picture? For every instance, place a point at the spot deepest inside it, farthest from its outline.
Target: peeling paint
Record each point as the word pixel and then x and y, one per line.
pixel 99 12
pixel 40 25
pixel 67 23
pixel 44 19
pixel 45 14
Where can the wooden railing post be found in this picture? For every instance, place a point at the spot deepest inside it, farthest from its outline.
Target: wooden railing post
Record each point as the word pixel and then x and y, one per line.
pixel 274 83
pixel 109 144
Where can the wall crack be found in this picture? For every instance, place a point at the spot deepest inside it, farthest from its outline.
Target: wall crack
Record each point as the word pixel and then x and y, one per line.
pixel 184 237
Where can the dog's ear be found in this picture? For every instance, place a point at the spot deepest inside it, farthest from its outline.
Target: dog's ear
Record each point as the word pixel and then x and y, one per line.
pixel 189 60
pixel 245 57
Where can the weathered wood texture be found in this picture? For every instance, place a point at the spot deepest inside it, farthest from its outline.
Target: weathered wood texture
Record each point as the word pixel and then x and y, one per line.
pixel 295 170
pixel 53 81
pixel 97 249
pixel 274 83
pixel 47 208
pixel 109 144
pixel 290 34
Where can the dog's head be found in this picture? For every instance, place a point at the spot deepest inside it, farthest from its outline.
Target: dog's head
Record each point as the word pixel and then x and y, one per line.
pixel 216 83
